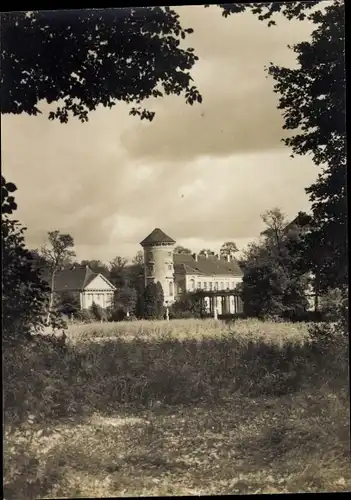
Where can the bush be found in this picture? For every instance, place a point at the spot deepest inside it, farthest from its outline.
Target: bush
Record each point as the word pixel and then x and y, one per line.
pixel 85 315
pixel 331 304
pixel 98 313
pixel 118 314
pixel 190 305
pixel 68 303
pixel 179 314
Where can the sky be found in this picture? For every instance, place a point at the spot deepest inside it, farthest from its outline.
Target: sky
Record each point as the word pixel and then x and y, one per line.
pixel 203 174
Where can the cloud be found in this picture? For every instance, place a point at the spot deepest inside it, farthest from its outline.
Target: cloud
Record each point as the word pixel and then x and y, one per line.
pixel 239 111
pixel 201 173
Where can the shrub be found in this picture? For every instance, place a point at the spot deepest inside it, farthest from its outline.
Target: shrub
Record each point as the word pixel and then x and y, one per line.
pixel 190 305
pixel 68 303
pixel 85 315
pixel 98 313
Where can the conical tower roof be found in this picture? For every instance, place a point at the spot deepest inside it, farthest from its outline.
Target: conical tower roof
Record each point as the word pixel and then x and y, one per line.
pixel 157 236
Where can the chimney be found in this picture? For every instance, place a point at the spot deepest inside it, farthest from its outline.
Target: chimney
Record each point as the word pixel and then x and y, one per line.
pixel 195 256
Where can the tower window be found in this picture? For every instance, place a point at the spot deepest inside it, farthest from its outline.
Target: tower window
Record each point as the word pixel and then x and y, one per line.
pixel 170 267
pixel 171 288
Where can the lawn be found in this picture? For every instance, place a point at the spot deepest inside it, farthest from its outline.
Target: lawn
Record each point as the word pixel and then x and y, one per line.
pixel 177 408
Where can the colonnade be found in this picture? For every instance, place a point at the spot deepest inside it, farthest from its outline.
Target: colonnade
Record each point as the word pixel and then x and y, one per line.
pixel 223 304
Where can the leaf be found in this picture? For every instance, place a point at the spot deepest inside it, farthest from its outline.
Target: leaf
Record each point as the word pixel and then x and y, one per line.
pixel 11 187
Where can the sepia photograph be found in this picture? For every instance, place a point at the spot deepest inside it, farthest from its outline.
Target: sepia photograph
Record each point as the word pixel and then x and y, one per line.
pixel 175 314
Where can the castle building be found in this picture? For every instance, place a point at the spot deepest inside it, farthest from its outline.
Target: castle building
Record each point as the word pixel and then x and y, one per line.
pixel 179 273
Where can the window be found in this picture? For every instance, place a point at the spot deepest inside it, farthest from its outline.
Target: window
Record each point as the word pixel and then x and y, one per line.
pixel 149 255
pixel 216 285
pixel 227 285
pixel 211 285
pixel 222 285
pixel 192 284
pixel 233 285
pixel 169 254
pixel 150 268
pixel 169 267
pixel 171 288
pixel 199 285
pixel 205 285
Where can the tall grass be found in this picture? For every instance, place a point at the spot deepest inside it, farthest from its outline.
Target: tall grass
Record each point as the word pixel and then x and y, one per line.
pixel 252 393
pixel 268 331
pixel 168 366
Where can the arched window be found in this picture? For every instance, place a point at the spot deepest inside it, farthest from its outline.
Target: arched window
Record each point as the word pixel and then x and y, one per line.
pixel 171 288
pixel 192 284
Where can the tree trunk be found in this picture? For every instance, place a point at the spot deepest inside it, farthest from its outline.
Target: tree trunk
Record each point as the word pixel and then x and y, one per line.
pixel 51 301
pixel 316 291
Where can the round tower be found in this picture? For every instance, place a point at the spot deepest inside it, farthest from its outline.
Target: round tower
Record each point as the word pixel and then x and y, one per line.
pixel 158 262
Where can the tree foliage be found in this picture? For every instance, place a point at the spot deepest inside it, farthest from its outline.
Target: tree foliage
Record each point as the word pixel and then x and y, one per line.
pixel 126 299
pixel 182 250
pixel 118 271
pixel 190 305
pixel 228 248
pixel 81 59
pixel 69 303
pixel 206 251
pixel 275 278
pixel 159 300
pixel 24 294
pixel 153 301
pixel 97 267
pixel 57 252
pixel 312 100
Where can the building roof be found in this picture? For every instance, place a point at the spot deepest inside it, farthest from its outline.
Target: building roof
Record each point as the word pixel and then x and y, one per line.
pixel 207 266
pixel 157 236
pixel 74 279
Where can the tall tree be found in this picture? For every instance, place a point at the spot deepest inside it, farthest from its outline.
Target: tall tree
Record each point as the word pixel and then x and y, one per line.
pixel 312 98
pixel 138 259
pixel 57 252
pixel 135 272
pixel 275 280
pixel 159 299
pixel 150 301
pixel 228 248
pixel 118 271
pixel 276 222
pixel 127 54
pixel 24 294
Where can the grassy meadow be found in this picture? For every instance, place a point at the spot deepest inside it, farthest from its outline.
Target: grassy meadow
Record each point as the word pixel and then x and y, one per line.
pixel 184 407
